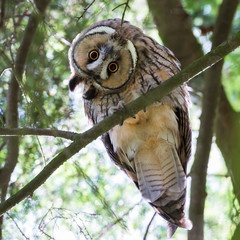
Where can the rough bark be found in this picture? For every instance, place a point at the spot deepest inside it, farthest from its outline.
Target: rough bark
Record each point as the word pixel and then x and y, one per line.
pixel 175 29
pixel 227 139
pixel 130 110
pixel 228 126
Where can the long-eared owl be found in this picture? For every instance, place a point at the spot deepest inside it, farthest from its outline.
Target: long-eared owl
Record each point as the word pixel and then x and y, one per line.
pixel 116 63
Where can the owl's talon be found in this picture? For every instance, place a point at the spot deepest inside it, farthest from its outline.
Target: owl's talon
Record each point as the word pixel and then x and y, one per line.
pixel 117 108
pixel 148 88
pixel 141 91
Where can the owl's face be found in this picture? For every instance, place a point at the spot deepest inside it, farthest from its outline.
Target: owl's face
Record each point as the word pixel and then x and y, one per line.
pixel 103 58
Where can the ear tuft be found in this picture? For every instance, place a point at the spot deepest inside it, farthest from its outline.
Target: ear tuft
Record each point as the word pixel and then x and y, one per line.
pixel 74 81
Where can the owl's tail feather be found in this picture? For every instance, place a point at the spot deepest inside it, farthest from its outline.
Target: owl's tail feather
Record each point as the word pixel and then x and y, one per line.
pixel 185 223
pixel 175 218
pixel 171 229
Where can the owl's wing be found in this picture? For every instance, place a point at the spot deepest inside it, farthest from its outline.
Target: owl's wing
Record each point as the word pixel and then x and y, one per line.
pixel 114 157
pixel 184 149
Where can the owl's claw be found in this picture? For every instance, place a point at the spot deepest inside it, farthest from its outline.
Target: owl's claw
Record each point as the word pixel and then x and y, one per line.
pixel 148 88
pixel 120 106
pixel 117 108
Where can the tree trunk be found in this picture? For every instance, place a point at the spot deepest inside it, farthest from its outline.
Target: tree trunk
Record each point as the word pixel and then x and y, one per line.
pixel 212 83
pixel 175 29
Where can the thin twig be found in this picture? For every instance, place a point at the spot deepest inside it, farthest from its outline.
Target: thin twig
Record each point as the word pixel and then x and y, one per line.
pixel 124 10
pixel 13 219
pixel 112 224
pixel 62 40
pixel 97 193
pixel 148 226
pixel 118 6
pixel 85 10
pixel 38 132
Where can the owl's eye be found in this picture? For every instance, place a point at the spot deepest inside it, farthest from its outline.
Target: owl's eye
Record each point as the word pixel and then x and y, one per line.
pixel 93 55
pixel 112 67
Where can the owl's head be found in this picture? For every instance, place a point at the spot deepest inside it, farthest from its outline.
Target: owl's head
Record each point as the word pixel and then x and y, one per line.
pixel 102 57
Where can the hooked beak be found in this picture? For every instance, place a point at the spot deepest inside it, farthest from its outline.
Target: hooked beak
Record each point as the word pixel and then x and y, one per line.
pixel 90 92
pixel 107 51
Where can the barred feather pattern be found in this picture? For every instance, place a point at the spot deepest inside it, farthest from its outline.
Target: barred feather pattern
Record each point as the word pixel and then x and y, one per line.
pixel 154 146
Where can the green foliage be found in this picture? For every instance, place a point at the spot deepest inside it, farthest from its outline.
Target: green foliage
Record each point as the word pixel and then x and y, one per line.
pixel 231 78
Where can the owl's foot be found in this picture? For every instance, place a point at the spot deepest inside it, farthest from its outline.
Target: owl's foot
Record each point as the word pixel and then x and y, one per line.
pixel 119 107
pixel 147 90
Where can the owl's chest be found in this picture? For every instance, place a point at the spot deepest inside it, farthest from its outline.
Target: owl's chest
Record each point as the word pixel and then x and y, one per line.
pixel 102 105
pixel 157 122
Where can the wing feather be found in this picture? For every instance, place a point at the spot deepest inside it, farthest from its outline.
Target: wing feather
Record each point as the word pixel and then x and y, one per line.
pixel 119 158
pixel 159 172
pixel 185 132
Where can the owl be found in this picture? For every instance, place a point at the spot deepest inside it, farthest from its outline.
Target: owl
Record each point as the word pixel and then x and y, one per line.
pixel 116 62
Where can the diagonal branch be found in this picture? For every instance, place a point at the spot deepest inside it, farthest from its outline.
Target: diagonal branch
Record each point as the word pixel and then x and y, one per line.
pixel 130 110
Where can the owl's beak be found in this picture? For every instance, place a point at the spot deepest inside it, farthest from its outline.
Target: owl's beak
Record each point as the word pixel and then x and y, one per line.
pixel 107 51
pixel 90 92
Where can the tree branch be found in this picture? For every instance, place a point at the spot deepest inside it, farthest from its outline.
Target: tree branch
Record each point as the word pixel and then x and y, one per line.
pixel 38 132
pixel 148 226
pixel 212 83
pixel 130 110
pixel 85 10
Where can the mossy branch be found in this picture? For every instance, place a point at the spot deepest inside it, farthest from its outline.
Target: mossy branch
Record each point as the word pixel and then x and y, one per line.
pixel 130 110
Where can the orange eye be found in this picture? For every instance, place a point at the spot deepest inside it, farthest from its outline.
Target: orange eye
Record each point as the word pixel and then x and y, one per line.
pixel 93 55
pixel 112 67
